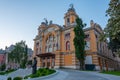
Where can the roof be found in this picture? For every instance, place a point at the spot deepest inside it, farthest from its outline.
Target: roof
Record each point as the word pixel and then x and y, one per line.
pixel 46 55
pixel 2 51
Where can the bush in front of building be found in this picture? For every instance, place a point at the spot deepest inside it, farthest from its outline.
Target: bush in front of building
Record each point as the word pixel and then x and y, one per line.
pixel 11 70
pixel 9 78
pixel 45 71
pixel 18 78
pixel 117 73
pixel 2 67
pixel 41 72
pixel 7 72
pixel 29 64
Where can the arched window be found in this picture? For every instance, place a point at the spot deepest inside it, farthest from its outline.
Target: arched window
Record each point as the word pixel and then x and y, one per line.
pixel 54 39
pixel 47 41
pixel 50 48
pixel 50 38
pixel 54 48
pixel 68 20
pixel 50 41
pixel 46 49
pixel 68 45
pixel 40 50
pixel 37 44
pixel 36 50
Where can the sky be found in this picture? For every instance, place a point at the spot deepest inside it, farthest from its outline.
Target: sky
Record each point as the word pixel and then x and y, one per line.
pixel 20 19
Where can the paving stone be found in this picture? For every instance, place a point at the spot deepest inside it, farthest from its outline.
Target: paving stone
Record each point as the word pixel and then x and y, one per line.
pixel 64 74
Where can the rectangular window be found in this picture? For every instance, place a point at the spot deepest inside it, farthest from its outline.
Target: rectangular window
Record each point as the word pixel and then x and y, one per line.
pixel 50 49
pixel 68 20
pixel 88 60
pixel 87 36
pixel 87 46
pixel 67 36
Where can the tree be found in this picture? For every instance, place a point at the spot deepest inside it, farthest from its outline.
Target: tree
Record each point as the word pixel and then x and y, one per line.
pixel 112 30
pixel 2 67
pixel 19 54
pixel 25 57
pixel 79 42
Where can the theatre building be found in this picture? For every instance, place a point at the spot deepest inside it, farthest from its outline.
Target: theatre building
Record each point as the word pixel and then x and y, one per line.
pixel 54 46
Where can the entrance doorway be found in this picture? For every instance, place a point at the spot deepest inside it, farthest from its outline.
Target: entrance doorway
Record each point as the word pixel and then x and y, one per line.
pixel 47 60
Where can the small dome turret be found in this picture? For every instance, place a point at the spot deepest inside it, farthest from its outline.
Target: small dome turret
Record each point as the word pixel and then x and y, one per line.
pixel 70 16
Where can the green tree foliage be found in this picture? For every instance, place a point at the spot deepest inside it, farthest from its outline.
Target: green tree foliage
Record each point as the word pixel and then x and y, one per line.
pixel 19 54
pixel 79 42
pixel 2 67
pixel 9 78
pixel 29 62
pixel 112 30
pixel 18 78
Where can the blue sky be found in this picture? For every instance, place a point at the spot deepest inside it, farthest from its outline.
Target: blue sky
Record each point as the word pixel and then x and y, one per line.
pixel 19 19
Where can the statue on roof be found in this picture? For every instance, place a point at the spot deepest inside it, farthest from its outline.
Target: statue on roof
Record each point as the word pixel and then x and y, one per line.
pixel 71 6
pixel 92 23
pixel 46 21
pixel 50 22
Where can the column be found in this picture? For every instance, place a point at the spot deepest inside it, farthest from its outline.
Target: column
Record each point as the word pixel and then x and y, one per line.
pixel 106 63
pixel 45 62
pixel 41 62
pixel 50 62
pixel 100 63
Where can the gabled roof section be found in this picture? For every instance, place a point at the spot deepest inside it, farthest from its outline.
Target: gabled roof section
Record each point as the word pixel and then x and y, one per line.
pixel 55 25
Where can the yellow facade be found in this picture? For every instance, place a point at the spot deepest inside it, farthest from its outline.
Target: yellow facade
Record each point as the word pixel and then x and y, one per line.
pixel 54 46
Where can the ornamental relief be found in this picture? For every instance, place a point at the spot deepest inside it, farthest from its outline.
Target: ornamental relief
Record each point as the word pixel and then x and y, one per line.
pixel 50 43
pixel 51 29
pixel 67 31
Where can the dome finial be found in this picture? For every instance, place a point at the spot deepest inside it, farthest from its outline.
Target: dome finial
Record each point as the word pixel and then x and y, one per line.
pixel 71 6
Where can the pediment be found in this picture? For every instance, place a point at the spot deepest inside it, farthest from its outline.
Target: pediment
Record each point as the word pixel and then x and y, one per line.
pixel 51 28
pixel 55 26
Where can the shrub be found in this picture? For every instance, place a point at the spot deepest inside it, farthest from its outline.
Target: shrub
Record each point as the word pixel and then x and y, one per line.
pixel 29 62
pixel 17 78
pixel 2 67
pixel 6 72
pixel 11 70
pixel 2 73
pixel 41 72
pixel 34 75
pixel 26 77
pixel 47 68
pixel 9 78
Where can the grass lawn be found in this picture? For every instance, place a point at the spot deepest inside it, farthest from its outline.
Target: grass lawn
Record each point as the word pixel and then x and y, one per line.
pixel 6 72
pixel 41 72
pixel 112 72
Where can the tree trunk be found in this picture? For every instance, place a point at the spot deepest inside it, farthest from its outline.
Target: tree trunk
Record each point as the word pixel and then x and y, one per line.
pixel 82 65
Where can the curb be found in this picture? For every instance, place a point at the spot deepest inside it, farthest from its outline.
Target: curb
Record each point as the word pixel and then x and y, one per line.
pixel 45 76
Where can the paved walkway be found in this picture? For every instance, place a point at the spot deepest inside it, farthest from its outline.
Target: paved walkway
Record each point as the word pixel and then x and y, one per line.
pixel 67 74
pixel 85 75
pixel 3 77
pixel 19 72
pixel 64 74
pixel 60 75
pixel 107 76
